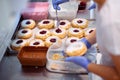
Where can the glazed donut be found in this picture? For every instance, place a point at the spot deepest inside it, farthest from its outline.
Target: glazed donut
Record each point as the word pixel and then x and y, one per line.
pixel 79 23
pixel 46 23
pixel 76 50
pixel 52 39
pixel 61 33
pixel 64 24
pixel 28 23
pixel 75 32
pixel 71 40
pixel 36 42
pixel 42 34
pixel 88 31
pixel 17 44
pixel 25 33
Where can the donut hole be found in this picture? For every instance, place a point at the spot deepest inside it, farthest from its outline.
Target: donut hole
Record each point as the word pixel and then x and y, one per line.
pixel 73 40
pixel 53 40
pixel 79 21
pixel 36 43
pixel 19 41
pixel 91 31
pixel 43 32
pixel 62 23
pixel 75 30
pixel 24 31
pixel 58 30
pixel 28 22
pixel 46 22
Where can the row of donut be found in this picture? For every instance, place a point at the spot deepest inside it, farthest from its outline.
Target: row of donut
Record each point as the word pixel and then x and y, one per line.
pixel 43 38
pixel 49 24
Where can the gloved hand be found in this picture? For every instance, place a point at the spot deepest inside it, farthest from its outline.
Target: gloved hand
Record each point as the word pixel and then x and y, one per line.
pixel 57 2
pixel 80 60
pixel 93 6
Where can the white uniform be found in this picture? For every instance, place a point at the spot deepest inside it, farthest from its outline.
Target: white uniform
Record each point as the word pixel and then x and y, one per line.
pixel 108 30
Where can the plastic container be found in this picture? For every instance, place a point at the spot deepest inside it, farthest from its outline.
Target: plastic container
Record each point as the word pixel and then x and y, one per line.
pixel 32 56
pixel 68 10
pixel 66 67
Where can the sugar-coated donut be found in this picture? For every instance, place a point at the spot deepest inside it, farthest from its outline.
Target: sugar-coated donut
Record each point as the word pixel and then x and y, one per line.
pixel 76 50
pixel 64 24
pixel 25 33
pixel 61 33
pixel 17 44
pixel 42 34
pixel 46 23
pixel 36 42
pixel 52 39
pixel 88 31
pixel 70 40
pixel 79 23
pixel 75 32
pixel 28 23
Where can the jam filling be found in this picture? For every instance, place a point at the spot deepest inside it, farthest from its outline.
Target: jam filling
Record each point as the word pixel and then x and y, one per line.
pixel 79 21
pixel 28 22
pixel 73 40
pixel 43 32
pixel 90 31
pixel 58 30
pixel 36 43
pixel 19 41
pixel 46 22
pixel 24 31
pixel 82 6
pixel 62 23
pixel 76 30
pixel 53 40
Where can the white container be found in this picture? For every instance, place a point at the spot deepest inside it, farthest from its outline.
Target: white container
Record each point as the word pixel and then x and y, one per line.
pixel 66 67
pixel 68 10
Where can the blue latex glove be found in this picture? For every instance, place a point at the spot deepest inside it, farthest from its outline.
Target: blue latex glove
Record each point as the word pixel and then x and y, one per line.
pixel 57 2
pixel 93 6
pixel 85 41
pixel 79 60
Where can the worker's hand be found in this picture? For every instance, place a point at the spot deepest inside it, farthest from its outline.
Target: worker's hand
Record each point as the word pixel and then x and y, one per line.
pixel 57 2
pixel 79 60
pixel 85 41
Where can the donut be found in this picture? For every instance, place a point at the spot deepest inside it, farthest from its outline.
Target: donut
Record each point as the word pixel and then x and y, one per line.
pixel 87 31
pixel 52 39
pixel 17 44
pixel 79 23
pixel 25 33
pixel 64 24
pixel 75 32
pixel 61 33
pixel 42 34
pixel 76 50
pixel 46 23
pixel 57 56
pixel 36 42
pixel 70 40
pixel 28 23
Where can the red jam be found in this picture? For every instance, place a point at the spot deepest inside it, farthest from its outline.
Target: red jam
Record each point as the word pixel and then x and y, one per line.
pixel 73 40
pixel 91 31
pixel 53 40
pixel 79 21
pixel 62 23
pixel 58 30
pixel 43 32
pixel 36 43
pixel 19 41
pixel 24 31
pixel 46 22
pixel 76 30
pixel 28 22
